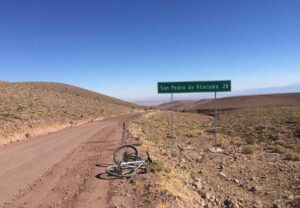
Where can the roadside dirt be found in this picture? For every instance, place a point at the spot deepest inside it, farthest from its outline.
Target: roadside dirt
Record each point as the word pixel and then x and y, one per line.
pixel 192 176
pixel 62 169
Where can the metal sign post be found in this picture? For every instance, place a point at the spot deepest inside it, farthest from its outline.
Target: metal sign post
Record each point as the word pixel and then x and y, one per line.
pixel 216 148
pixel 172 116
pixel 196 86
pixel 215 120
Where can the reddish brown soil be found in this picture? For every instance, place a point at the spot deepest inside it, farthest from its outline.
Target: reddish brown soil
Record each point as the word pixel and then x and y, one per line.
pixel 62 169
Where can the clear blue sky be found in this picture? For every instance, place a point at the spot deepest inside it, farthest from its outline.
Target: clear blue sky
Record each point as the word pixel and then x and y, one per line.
pixel 123 47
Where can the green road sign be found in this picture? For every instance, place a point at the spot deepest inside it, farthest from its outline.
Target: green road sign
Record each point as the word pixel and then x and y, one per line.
pixel 195 86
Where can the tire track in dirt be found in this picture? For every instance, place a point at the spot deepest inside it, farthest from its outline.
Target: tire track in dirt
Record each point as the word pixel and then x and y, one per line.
pixel 72 182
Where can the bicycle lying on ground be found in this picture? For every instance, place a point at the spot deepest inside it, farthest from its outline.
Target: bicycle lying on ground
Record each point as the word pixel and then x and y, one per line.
pixel 127 161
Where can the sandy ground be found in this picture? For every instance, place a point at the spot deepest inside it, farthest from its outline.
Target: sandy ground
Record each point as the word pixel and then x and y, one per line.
pixel 61 169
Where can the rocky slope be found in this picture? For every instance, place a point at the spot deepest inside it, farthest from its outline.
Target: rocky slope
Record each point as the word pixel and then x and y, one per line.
pixel 191 176
pixel 32 108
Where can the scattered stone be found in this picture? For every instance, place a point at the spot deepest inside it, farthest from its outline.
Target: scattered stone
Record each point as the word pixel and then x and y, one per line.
pixel 221 167
pixel 198 179
pixel 234 158
pixel 199 160
pixel 223 174
pixel 204 194
pixel 132 180
pixel 163 152
pixel 189 159
pixel 241 200
pixel 197 184
pixel 289 197
pixel 263 177
pixel 208 205
pixel 253 189
pixel 228 203
pixel 212 199
pixel 236 180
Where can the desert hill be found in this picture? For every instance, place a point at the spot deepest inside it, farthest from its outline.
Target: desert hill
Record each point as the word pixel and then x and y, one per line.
pixel 238 102
pixel 30 108
pixel 176 104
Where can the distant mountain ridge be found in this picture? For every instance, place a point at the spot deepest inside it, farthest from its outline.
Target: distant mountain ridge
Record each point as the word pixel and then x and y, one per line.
pixel 295 87
pixel 236 102
pixel 291 88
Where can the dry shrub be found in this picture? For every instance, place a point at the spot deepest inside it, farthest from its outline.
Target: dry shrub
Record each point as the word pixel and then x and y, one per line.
pixel 278 149
pixel 295 202
pixel 249 149
pixel 223 142
pixel 250 140
pixel 161 205
pixel 281 142
pixel 138 142
pixel 292 156
pixel 156 166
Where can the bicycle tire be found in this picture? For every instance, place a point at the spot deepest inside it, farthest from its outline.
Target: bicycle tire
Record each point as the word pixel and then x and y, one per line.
pixel 120 171
pixel 121 154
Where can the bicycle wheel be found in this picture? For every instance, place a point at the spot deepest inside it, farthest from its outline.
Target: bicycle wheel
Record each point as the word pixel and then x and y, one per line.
pixel 120 171
pixel 125 153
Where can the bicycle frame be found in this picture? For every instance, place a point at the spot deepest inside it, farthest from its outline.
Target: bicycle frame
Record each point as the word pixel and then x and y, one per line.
pixel 134 164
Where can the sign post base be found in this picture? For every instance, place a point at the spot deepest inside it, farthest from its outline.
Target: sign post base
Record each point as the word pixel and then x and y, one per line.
pixel 216 150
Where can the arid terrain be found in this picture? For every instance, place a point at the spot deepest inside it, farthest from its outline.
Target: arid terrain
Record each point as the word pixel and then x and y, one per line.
pixel 259 168
pixel 32 108
pixel 260 165
pixel 238 102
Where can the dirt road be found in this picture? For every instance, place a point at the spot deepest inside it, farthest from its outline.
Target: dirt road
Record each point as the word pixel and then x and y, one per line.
pixel 60 169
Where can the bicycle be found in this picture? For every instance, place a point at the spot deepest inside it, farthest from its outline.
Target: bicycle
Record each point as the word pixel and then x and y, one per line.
pixel 127 162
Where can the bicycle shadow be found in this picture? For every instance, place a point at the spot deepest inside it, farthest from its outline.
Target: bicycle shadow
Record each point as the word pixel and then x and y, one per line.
pixel 106 176
pixel 103 165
